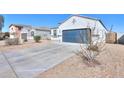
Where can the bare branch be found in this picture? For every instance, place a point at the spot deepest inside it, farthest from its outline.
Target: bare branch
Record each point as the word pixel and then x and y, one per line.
pixel 92 49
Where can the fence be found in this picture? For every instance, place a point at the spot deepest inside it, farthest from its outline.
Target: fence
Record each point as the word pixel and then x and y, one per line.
pixel 111 37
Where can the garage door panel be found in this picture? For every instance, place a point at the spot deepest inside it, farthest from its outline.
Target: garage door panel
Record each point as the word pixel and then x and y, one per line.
pixel 70 39
pixel 75 36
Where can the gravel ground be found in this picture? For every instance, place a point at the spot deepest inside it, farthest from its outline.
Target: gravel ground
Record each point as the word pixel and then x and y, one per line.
pixel 111 65
pixel 28 44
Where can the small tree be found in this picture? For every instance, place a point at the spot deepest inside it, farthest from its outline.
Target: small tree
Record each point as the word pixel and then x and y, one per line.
pixel 93 48
pixel 37 38
pixel 12 41
pixel 1 22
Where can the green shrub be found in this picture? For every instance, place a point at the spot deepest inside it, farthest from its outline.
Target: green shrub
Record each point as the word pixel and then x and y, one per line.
pixel 37 38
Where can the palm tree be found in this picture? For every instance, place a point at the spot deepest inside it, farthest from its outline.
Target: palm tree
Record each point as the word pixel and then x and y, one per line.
pixel 1 22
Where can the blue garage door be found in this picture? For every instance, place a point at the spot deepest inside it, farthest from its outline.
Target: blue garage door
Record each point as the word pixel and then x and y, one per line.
pixel 76 36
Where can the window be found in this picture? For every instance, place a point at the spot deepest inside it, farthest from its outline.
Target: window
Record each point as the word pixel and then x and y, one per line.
pixel 95 35
pixel 55 33
pixel 32 33
pixel 12 28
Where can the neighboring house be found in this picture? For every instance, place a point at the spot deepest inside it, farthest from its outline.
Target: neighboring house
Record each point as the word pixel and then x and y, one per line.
pixel 28 32
pixel 55 33
pixel 79 29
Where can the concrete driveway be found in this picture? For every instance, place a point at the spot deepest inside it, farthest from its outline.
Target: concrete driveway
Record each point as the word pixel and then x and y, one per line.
pixel 30 62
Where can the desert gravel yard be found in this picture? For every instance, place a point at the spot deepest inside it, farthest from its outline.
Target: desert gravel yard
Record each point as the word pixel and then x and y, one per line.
pixel 32 59
pixel 51 59
pixel 28 44
pixel 111 64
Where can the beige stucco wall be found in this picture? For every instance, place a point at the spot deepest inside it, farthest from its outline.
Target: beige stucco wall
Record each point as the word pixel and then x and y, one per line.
pixel 15 32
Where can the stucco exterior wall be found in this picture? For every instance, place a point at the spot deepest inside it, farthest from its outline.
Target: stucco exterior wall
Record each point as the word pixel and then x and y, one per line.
pixel 57 34
pixel 28 30
pixel 15 32
pixel 43 34
pixel 80 23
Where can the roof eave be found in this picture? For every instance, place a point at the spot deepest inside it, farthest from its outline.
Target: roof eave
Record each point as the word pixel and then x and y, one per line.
pixel 102 24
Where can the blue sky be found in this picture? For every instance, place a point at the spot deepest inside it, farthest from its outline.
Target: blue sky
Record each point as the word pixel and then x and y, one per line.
pixel 52 20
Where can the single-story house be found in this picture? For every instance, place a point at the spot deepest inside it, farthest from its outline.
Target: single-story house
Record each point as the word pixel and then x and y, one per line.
pixel 79 29
pixel 28 32
pixel 76 29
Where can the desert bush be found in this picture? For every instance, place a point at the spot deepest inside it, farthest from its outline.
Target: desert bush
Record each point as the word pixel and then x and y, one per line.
pixel 1 36
pixel 4 35
pixel 92 49
pixel 13 41
pixel 37 38
pixel 89 52
pixel 7 34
